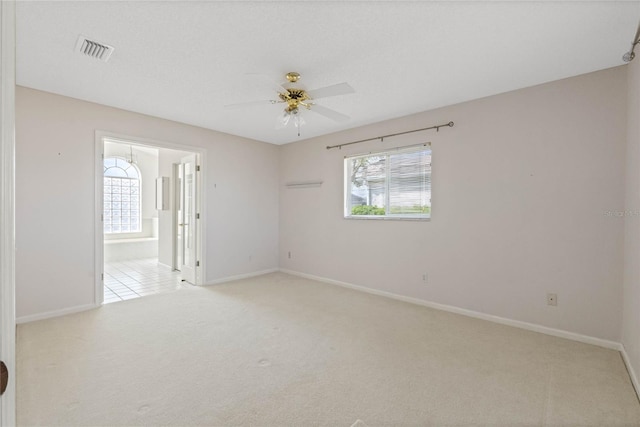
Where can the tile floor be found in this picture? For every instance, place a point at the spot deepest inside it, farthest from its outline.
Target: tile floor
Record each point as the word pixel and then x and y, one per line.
pixel 136 278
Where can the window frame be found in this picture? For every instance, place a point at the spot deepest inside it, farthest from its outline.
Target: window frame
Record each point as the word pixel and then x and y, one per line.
pixel 139 207
pixel 347 206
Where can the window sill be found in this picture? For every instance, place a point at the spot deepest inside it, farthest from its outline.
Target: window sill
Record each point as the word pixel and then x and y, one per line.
pixel 387 218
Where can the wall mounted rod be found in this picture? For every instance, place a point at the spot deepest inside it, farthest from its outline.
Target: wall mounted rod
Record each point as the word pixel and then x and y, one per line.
pixel 381 138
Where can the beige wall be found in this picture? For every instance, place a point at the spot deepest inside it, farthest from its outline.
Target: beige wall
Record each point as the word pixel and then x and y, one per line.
pixel 55 197
pixel 631 308
pixel 521 186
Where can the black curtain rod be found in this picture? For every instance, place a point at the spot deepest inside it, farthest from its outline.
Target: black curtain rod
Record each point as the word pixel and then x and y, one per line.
pixel 381 138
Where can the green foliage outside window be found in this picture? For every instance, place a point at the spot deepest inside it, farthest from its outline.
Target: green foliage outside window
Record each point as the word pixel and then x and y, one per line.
pixel 367 210
pixel 415 209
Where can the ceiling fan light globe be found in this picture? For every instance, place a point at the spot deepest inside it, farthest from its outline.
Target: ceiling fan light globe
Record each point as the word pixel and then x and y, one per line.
pixel 282 120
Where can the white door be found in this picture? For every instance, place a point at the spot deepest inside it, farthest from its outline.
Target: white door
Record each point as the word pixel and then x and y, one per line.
pixel 178 247
pixel 188 215
pixel 7 208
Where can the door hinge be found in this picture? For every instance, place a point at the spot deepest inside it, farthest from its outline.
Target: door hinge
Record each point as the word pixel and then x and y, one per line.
pixel 198 168
pixel 197 263
pixel 197 216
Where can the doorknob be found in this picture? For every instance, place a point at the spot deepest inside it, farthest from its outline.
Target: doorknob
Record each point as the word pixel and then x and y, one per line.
pixel 4 378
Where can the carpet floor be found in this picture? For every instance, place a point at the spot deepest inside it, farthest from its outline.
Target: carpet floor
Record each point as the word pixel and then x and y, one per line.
pixel 278 350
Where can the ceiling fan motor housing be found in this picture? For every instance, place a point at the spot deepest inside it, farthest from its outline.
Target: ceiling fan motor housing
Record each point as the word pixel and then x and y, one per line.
pixel 294 98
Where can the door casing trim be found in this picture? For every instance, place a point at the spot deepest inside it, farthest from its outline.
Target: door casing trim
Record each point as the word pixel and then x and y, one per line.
pixel 8 206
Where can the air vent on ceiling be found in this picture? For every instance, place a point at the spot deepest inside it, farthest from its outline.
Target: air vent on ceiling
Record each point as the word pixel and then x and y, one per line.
pixel 94 49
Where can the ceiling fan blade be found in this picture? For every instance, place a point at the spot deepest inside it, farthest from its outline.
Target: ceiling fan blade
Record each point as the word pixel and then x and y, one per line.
pixel 329 113
pixel 250 104
pixel 264 79
pixel 333 90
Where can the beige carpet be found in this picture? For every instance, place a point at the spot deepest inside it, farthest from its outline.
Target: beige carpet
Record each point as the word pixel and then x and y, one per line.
pixel 278 350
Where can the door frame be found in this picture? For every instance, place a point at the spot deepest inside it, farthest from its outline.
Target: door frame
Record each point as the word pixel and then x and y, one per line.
pixel 7 207
pixel 201 159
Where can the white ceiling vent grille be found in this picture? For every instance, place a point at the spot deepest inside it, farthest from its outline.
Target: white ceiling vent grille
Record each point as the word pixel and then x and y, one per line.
pixel 94 49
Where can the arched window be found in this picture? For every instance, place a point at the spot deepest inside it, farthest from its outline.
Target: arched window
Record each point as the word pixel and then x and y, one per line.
pixel 121 196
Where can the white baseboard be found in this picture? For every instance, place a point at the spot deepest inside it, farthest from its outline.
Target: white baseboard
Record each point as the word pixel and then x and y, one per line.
pixel 631 371
pixel 241 276
pixel 55 313
pixel 470 313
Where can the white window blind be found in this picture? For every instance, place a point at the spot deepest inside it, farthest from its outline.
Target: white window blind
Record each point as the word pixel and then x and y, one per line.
pixel 389 184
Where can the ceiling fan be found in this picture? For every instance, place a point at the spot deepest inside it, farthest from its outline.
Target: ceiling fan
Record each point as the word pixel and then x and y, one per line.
pixel 298 99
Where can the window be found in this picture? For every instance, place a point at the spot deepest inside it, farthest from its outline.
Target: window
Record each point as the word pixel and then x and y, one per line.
pixel 121 196
pixel 390 184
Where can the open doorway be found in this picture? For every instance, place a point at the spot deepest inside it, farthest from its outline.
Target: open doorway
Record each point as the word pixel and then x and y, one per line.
pixel 149 203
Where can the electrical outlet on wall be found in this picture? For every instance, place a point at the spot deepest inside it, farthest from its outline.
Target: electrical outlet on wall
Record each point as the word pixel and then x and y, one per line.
pixel 552 299
pixel 425 277
pixel 289 254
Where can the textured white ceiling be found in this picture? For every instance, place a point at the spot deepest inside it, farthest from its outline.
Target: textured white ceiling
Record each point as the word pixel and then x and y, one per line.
pixel 185 60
